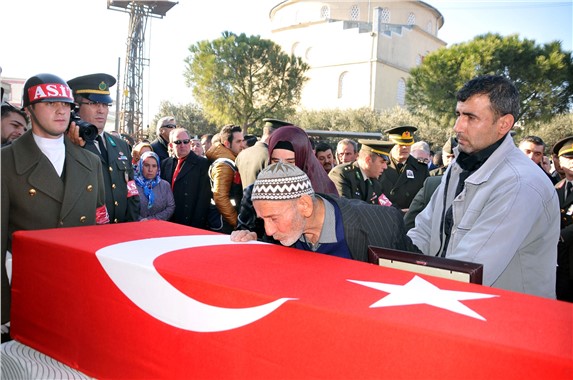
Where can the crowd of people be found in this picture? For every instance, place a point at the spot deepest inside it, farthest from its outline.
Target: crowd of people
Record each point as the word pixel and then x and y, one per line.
pixel 482 199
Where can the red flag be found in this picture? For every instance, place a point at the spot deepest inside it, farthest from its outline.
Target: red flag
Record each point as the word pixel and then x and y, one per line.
pixel 169 301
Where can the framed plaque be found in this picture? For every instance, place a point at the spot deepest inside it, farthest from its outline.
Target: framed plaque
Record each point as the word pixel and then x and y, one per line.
pixel 431 265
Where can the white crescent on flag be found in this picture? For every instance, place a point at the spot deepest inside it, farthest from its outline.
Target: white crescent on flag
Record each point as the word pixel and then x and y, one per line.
pixel 130 267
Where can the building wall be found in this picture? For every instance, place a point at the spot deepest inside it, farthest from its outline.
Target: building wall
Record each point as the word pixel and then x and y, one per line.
pixel 360 52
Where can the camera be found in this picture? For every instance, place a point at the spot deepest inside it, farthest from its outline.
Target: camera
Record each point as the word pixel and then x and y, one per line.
pixel 88 131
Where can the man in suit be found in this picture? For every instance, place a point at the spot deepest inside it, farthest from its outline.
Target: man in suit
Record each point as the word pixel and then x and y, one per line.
pixel 564 289
pixel 405 175
pixel 92 97
pixel 188 175
pixel 294 215
pixel 47 181
pixel 161 144
pixel 359 179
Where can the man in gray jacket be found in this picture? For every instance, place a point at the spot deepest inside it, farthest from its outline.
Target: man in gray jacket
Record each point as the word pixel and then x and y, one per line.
pixel 494 206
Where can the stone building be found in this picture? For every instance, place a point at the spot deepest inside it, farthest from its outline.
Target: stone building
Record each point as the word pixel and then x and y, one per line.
pixel 360 52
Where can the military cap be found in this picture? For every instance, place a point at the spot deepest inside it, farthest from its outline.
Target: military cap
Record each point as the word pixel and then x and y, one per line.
pixel 449 146
pixel 275 123
pixel 94 87
pixel 564 147
pixel 380 147
pixel 402 135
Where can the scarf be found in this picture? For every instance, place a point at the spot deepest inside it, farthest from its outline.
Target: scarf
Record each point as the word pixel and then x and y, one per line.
pixel 147 184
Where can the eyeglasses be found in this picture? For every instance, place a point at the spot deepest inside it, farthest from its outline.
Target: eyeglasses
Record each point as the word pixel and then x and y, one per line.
pixel 177 142
pixel 96 104
pixel 170 126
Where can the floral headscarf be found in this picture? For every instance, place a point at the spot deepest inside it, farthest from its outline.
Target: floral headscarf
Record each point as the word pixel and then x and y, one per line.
pixel 147 184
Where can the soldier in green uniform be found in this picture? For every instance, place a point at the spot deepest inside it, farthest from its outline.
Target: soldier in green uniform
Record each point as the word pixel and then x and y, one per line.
pixel 47 181
pixel 359 179
pixel 405 175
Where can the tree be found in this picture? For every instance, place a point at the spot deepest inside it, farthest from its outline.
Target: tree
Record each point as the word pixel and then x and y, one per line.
pixel 240 80
pixel 542 74
pixel 189 116
pixel 550 131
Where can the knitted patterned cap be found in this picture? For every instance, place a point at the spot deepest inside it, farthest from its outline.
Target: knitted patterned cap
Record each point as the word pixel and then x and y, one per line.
pixel 281 181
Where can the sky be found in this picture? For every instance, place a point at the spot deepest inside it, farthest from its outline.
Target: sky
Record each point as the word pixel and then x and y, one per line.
pixel 70 38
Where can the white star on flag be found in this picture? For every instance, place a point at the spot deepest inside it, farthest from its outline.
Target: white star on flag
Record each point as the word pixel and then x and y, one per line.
pixel 420 291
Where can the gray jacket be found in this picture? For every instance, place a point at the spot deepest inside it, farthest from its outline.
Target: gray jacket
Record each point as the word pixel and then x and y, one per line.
pixel 506 218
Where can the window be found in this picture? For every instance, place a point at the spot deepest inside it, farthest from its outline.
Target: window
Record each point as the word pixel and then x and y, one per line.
pixel 355 12
pixel 308 54
pixel 411 19
pixel 294 48
pixel 430 27
pixel 325 12
pixel 401 93
pixel 385 16
pixel 343 78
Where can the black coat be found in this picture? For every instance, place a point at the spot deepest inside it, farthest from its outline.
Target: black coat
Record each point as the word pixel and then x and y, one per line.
pixel 160 148
pixel 398 187
pixel 192 190
pixel 565 247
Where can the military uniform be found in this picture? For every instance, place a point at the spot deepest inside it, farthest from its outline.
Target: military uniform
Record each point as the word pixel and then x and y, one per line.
pixel 121 201
pixel 121 195
pixel 46 182
pixel 352 183
pixel 401 183
pixel 564 286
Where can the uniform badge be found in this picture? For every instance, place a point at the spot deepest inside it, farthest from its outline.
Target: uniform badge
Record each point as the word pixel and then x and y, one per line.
pixel 384 201
pixel 131 189
pixel 409 173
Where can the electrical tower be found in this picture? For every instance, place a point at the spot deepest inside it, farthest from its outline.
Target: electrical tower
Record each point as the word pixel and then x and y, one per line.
pixel 131 112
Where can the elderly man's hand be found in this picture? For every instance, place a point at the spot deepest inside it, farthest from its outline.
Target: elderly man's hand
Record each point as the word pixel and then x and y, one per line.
pixel 74 135
pixel 243 235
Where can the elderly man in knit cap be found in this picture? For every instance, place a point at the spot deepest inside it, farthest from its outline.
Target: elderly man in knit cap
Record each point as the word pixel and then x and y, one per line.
pixel 296 216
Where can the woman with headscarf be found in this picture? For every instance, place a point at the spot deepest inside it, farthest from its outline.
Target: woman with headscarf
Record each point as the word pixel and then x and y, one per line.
pixel 136 153
pixel 304 157
pixel 290 144
pixel 156 197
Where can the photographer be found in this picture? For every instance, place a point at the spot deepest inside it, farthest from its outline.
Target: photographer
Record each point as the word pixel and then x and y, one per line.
pixel 47 181
pixel 92 97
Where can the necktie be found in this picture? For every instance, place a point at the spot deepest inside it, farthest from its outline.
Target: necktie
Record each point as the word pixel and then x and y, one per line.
pixel 102 148
pixel 180 162
pixel 568 189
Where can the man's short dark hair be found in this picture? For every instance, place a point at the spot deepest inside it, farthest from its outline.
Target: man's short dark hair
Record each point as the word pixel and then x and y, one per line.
pixel 534 140
pixel 227 132
pixel 502 93
pixel 322 147
pixel 8 108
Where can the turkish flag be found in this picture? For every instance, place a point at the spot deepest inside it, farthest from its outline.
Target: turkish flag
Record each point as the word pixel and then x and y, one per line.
pixel 160 300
